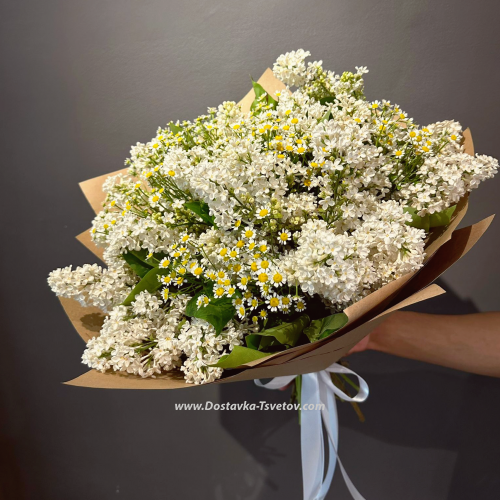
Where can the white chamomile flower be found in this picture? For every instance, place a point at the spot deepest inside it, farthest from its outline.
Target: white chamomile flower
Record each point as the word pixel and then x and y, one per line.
pixel 263 246
pixel 253 303
pixel 234 252
pixel 262 278
pixel 164 263
pixel 273 302
pixel 277 277
pixel 197 270
pixel 166 280
pixel 241 311
pixel 284 236
pixel 202 301
pixel 238 301
pixel 300 304
pixel 249 233
pixel 263 264
pixel 286 302
pixel 263 212
pixel 155 200
pixel 165 294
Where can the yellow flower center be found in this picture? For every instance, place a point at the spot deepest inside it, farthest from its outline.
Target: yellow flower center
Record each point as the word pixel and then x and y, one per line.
pixel 274 302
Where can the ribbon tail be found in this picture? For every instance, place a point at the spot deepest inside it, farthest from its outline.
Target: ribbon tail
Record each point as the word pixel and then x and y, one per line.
pixel 311 438
pixel 330 420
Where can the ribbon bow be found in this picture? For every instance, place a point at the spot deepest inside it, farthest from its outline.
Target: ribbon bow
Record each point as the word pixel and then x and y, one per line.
pixel 317 389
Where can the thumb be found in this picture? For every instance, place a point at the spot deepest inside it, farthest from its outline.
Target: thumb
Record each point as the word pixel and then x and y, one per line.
pixel 362 345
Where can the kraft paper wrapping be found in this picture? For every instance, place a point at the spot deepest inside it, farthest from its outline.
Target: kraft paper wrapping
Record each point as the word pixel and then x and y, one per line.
pixel 444 247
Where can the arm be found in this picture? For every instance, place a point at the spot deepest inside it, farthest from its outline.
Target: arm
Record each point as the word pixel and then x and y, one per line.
pixel 469 342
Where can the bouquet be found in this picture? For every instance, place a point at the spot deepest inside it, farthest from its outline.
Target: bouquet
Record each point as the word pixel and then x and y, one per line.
pixel 267 237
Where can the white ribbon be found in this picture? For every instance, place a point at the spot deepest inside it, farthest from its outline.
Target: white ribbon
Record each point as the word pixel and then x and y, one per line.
pixel 317 389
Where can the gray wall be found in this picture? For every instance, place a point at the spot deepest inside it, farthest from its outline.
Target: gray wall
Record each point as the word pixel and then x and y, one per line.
pixel 83 80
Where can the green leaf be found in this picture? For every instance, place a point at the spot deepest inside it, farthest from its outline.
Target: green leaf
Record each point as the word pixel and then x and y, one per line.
pixel 259 91
pixel 253 341
pixel 218 312
pixel 239 356
pixel 426 222
pixel 267 342
pixel 174 128
pixel 322 328
pixel 191 306
pixel 138 266
pixel 287 333
pixel 327 100
pixel 256 341
pixel 442 218
pixel 325 117
pixel 148 283
pixel 201 209
pixel 417 221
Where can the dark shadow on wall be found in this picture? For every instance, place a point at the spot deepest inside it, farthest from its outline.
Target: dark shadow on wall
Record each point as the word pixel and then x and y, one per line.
pixel 413 405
